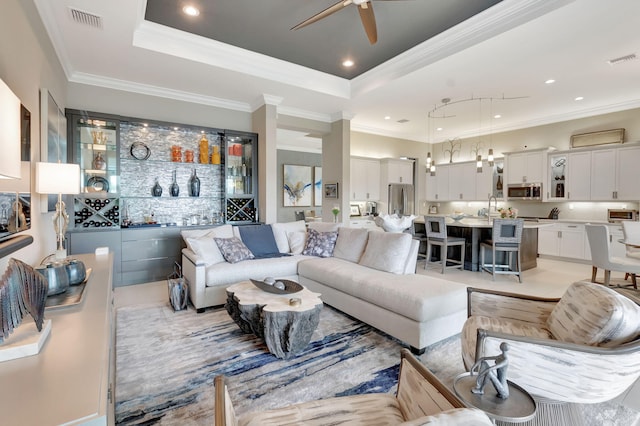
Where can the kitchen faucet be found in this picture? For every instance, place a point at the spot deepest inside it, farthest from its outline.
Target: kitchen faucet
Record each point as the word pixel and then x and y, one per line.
pixel 495 205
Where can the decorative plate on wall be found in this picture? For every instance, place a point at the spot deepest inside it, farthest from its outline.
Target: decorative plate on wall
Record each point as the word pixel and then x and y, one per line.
pixel 139 151
pixel 97 184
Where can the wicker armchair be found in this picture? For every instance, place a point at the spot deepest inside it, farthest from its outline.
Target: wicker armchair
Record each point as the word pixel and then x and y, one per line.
pixel 546 355
pixel 421 398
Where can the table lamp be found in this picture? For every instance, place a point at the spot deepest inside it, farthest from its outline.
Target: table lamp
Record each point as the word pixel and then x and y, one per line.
pixel 58 178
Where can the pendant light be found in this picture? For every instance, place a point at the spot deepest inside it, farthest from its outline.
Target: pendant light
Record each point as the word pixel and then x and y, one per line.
pixel 490 155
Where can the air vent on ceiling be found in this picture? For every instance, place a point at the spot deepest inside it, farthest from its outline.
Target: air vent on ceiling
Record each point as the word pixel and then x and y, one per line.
pixel 403 120
pixel 86 18
pixel 621 59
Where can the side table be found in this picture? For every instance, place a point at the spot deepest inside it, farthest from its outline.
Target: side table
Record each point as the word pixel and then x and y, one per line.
pixel 518 408
pixel 286 329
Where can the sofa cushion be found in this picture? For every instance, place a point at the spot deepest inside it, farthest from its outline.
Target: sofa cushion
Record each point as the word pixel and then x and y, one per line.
pixel 417 297
pixel 320 244
pixel 350 243
pixel 386 251
pixel 233 249
pixel 297 240
pixel 592 314
pixel 280 231
pixel 226 273
pixel 259 239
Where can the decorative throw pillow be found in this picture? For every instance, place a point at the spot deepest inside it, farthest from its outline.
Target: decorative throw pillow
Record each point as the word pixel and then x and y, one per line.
pixel 592 314
pixel 297 241
pixel 320 244
pixel 259 239
pixel 351 243
pixel 280 231
pixel 233 249
pixel 387 251
pixel 224 231
pixel 206 249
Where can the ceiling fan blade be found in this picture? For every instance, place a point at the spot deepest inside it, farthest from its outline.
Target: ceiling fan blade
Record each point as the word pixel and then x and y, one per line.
pixel 328 11
pixel 368 21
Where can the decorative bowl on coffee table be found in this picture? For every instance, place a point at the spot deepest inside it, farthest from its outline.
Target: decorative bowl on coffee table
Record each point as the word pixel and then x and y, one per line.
pixel 289 287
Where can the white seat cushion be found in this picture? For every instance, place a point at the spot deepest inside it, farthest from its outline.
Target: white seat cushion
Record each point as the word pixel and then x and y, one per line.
pixel 229 273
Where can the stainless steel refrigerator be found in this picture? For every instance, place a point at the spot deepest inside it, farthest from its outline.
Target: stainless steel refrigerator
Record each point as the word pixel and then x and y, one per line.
pixel 401 199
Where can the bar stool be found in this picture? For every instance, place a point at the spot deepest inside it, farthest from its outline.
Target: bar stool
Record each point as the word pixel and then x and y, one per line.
pixel 418 232
pixel 506 237
pixel 437 236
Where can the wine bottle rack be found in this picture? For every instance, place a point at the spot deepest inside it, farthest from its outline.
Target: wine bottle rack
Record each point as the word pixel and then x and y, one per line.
pixel 97 212
pixel 241 210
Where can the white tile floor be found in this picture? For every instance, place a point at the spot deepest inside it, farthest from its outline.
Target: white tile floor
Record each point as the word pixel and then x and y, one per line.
pixel 549 279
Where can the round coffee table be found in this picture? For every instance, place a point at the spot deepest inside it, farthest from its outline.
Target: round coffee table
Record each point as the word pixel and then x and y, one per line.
pixel 286 326
pixel 518 408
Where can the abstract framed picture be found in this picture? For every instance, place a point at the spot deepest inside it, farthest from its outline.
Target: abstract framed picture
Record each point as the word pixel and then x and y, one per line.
pixel 297 186
pixel 330 190
pixel 317 186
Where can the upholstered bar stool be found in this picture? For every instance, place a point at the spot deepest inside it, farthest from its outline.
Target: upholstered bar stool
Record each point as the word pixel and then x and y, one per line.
pixel 505 238
pixel 437 236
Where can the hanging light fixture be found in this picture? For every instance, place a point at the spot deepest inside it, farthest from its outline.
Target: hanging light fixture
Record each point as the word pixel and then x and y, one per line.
pixel 479 163
pixel 490 155
pixel 430 166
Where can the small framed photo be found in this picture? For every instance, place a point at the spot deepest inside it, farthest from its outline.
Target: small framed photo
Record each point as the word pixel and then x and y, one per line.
pixel 354 210
pixel 330 190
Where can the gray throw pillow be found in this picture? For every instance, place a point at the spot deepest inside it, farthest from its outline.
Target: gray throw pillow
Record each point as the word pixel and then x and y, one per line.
pixel 320 244
pixel 233 250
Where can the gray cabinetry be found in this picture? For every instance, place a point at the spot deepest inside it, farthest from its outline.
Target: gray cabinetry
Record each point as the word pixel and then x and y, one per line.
pixel 150 254
pixel 88 241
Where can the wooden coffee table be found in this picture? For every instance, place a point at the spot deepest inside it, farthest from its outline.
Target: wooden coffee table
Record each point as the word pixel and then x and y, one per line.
pixel 286 329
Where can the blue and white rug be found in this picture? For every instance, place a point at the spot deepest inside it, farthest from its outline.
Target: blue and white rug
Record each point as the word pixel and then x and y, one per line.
pixel 166 362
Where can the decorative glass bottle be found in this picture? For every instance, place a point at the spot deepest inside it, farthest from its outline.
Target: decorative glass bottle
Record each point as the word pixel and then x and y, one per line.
pixel 204 150
pixel 174 189
pixel 156 191
pixel 194 184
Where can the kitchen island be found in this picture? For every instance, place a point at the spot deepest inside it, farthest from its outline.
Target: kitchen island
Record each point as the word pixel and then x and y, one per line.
pixel 475 230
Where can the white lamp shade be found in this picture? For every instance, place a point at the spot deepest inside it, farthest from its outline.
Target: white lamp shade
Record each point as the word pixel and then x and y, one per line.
pixel 57 178
pixel 9 133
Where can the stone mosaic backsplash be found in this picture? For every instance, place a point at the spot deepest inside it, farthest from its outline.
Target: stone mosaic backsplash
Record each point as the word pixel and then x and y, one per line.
pixel 137 177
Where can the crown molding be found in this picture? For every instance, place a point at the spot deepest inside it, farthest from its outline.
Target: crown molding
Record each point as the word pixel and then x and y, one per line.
pixel 266 99
pixel 50 25
pixel 493 21
pixel 309 115
pixel 161 92
pixel 342 115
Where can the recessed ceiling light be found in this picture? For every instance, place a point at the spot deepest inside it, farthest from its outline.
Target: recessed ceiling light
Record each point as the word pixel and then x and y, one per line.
pixel 191 10
pixel 387 117
pixel 347 63
pixel 439 129
pixel 497 116
pixel 579 98
pixel 550 81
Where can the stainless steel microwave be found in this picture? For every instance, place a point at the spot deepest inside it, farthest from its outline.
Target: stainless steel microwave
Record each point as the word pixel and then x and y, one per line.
pixel 619 215
pixel 524 191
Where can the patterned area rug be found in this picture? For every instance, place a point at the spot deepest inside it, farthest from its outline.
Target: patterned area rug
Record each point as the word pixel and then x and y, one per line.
pixel 166 363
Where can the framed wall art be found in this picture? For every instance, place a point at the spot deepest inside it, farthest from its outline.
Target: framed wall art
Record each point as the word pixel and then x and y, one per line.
pixel 330 190
pixel 297 186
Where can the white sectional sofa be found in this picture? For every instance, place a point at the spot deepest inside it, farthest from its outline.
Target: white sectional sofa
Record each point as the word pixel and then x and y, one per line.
pixel 370 276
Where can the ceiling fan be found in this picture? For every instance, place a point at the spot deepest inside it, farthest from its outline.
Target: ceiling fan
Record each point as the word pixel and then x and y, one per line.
pixel 365 8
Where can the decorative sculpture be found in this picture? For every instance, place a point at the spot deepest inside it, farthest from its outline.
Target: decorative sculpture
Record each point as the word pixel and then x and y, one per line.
pixel 497 373
pixel 22 290
pixel 454 146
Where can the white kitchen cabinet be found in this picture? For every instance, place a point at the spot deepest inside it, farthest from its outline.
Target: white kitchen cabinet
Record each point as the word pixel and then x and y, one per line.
pixel 365 179
pixel 557 170
pixel 603 175
pixel 525 167
pixel 396 171
pixel 628 173
pixel 578 186
pixel 462 179
pixel 562 240
pixel 484 182
pixel 438 185
pixel 616 248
